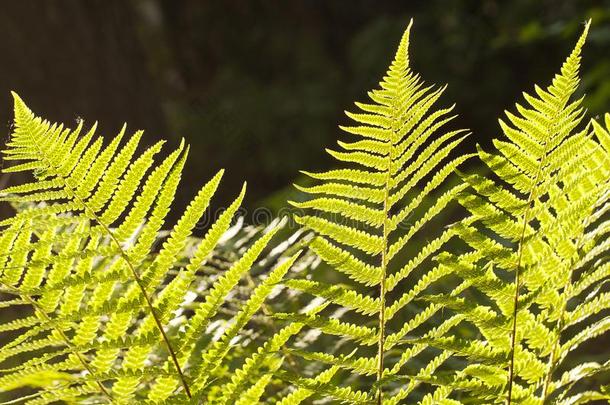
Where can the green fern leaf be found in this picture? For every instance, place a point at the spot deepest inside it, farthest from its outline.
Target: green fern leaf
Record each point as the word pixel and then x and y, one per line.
pixel 84 261
pixel 363 213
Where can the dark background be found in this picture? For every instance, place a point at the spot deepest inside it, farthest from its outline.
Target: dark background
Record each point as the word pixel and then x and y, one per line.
pixel 259 87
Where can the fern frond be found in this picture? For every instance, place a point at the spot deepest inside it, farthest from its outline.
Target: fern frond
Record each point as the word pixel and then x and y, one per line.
pixel 537 217
pixel 85 262
pixel 394 179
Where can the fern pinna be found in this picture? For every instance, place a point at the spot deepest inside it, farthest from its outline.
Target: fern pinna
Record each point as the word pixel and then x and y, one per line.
pixel 104 309
pixel 538 252
pixel 370 218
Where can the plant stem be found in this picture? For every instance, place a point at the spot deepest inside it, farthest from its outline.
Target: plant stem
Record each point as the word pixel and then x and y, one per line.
pixel 384 265
pixel 381 341
pixel 530 201
pixel 149 303
pixel 151 308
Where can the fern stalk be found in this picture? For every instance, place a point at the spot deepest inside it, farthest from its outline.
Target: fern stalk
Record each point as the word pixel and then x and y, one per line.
pixel 384 254
pixel 142 288
pixel 382 284
pixel 569 68
pixel 530 200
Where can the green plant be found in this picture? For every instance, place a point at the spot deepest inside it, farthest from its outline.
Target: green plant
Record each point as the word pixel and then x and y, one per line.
pixel 532 254
pixel 103 304
pixel 411 303
pixel 403 165
pixel 538 249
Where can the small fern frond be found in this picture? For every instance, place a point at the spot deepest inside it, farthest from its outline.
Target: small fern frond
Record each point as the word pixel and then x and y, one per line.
pixel 536 217
pixel 82 255
pixel 395 179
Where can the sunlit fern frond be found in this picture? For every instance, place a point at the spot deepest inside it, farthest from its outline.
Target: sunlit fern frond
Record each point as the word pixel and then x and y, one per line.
pixel 538 247
pixel 372 218
pixel 102 301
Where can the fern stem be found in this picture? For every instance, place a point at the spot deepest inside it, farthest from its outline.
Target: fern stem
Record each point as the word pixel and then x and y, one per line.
pixel 381 341
pixel 530 201
pixel 149 303
pixel 151 308
pixel 384 267
pixel 551 366
pixel 511 367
